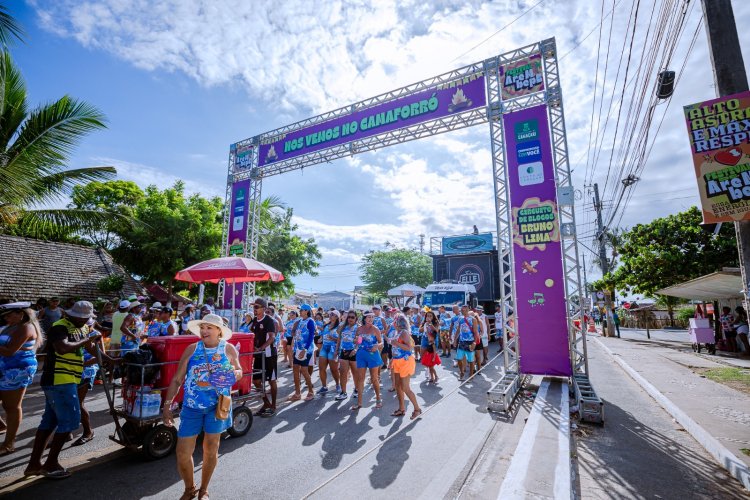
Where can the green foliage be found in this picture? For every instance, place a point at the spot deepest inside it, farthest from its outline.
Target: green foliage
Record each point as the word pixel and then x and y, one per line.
pixel 685 313
pixel 111 284
pixel 671 250
pixel 9 28
pixel 35 146
pixel 174 231
pixel 383 270
pixel 116 197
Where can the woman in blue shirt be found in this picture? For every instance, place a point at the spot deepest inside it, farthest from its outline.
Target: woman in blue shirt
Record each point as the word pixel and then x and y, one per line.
pixel 304 334
pixel 369 343
pixel 328 355
pixel 346 346
pixel 288 338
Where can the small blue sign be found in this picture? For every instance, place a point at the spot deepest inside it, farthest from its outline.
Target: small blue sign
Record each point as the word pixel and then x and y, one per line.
pixel 528 152
pixel 470 243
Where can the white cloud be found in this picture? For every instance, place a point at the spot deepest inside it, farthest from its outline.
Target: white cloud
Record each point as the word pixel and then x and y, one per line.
pixel 302 57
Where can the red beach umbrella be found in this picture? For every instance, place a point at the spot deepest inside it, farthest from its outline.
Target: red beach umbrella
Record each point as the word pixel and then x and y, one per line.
pixel 232 269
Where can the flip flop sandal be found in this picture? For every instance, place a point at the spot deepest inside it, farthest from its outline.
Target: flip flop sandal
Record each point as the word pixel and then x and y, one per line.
pixel 415 414
pixel 56 474
pixel 356 408
pixel 294 397
pixel 309 397
pixel 379 403
pixel 398 413
pixel 6 450
pixel 189 494
pixel 203 495
pixel 82 440
pixel 392 389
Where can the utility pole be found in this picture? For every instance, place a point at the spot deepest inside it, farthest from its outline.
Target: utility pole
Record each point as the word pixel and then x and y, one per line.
pixel 421 243
pixel 601 235
pixel 730 78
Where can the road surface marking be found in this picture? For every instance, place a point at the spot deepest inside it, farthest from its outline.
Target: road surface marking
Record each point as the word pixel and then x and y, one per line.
pixel 562 469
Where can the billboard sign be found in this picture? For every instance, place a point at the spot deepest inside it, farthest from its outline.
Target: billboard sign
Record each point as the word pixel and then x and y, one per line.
pixel 469 243
pixel 438 102
pixel 243 156
pixel 522 76
pixel 540 312
pixel 479 270
pixel 719 132
pixel 238 221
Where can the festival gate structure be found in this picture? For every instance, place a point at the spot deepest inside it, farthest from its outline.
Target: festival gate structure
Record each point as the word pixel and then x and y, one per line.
pixel 518 93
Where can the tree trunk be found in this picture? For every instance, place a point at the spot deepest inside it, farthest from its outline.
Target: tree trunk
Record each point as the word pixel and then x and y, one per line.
pixel 670 311
pixel 169 294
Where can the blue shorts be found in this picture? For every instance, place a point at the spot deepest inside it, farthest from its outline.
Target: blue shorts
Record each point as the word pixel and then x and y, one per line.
pixel 62 411
pixel 89 375
pixel 193 421
pixel 17 371
pixel 366 359
pixel 461 354
pixel 327 351
pixel 304 362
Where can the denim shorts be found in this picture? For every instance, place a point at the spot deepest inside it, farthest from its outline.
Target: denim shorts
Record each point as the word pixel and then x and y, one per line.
pixel 62 411
pixel 327 351
pixel 193 421
pixel 367 359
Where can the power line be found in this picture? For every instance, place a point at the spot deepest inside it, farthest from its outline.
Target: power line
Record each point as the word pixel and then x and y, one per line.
pixel 501 29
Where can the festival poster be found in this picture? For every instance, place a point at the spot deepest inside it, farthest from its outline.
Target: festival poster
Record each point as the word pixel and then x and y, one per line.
pixel 719 132
pixel 453 98
pixel 540 308
pixel 243 156
pixel 521 77
pixel 239 206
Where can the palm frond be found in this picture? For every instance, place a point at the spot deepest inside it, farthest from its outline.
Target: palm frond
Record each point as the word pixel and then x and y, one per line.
pixel 13 104
pixel 49 135
pixel 69 218
pixel 55 186
pixel 9 28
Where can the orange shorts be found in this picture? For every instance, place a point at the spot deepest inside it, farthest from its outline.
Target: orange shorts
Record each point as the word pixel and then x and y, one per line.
pixel 404 367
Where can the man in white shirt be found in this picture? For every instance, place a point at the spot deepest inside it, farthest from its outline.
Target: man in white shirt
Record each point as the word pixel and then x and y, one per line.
pixel 484 334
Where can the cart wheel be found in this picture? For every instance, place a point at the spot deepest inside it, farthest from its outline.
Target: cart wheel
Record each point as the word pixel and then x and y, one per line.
pixel 711 348
pixel 696 347
pixel 159 442
pixel 242 421
pixel 699 348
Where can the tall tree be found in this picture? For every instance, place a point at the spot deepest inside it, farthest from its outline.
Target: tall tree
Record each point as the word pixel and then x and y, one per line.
pixel 670 250
pixel 117 197
pixel 9 28
pixel 385 269
pixel 35 146
pixel 174 231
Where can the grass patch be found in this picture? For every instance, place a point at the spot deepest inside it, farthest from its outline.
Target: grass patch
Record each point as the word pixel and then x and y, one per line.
pixel 745 451
pixel 729 374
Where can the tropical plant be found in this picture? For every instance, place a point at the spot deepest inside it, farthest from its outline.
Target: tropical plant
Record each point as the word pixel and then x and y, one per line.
pixel 35 147
pixel 110 284
pixel 9 28
pixel 385 269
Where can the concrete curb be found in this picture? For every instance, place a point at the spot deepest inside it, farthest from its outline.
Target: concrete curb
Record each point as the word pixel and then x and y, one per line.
pixel 723 456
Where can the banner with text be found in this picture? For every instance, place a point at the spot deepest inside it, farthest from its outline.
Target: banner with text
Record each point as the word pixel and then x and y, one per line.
pixel 454 98
pixel 720 141
pixel 239 206
pixel 540 308
pixel 521 77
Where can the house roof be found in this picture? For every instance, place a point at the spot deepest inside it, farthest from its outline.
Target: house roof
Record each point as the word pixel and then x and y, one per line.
pixel 333 294
pixel 160 294
pixel 34 268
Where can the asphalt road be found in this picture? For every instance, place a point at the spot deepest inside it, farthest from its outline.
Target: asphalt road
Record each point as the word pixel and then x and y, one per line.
pixel 641 452
pixel 320 448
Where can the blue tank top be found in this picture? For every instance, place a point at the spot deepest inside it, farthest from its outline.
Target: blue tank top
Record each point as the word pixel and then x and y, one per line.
pixel 414 324
pixel 378 321
pixel 466 334
pixel 425 338
pixel 330 336
pixel 347 337
pixel 25 350
pixel 289 327
pixel 199 393
pixel 399 353
pixel 368 341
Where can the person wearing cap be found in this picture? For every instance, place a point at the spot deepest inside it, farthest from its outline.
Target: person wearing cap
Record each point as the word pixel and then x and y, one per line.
pixel 185 317
pixel 207 369
pixel 304 335
pixel 61 376
pixel 466 341
pixel 131 328
pixel 266 356
pixel 163 326
pixel 19 341
pixel 246 321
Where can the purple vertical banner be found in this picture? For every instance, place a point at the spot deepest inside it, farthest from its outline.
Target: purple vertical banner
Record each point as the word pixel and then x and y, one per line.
pixel 238 220
pixel 540 308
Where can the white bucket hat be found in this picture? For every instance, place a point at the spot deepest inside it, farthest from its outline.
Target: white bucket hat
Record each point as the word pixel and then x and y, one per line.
pixel 156 305
pixel 81 309
pixel 194 326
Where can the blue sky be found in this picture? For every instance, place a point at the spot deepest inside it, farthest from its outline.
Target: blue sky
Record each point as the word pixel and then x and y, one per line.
pixel 179 80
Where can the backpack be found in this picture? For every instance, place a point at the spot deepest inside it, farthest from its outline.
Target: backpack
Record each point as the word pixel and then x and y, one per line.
pixel 134 365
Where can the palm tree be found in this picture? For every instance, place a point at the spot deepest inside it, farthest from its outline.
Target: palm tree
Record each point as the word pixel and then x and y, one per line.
pixel 9 28
pixel 35 147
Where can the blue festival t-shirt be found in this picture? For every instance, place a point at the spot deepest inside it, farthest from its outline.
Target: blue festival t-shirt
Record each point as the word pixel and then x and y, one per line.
pixel 348 335
pixel 330 336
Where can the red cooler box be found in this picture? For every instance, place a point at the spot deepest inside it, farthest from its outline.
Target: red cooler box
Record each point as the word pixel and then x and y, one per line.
pixel 170 350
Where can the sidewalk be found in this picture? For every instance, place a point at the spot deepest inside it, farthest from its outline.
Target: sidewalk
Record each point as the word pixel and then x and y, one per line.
pixel 717 416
